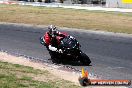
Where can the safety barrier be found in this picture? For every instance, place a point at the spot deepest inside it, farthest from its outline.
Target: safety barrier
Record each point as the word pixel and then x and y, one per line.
pixel 70 6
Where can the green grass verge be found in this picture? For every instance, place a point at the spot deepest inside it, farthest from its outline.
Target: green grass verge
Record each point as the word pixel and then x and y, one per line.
pixel 18 76
pixel 93 20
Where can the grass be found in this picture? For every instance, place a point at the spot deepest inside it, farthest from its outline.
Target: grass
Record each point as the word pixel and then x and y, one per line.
pixel 93 20
pixel 20 68
pixel 18 76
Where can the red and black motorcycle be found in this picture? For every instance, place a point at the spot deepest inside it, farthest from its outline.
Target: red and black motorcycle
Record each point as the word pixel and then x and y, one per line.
pixel 70 50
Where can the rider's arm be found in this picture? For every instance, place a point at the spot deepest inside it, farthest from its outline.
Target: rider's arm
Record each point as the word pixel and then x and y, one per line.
pixel 55 49
pixel 62 34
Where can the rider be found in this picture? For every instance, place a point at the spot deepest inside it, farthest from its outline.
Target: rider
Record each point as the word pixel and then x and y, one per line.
pixel 51 38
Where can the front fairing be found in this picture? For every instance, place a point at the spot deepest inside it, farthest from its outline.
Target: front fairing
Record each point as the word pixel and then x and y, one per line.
pixel 70 46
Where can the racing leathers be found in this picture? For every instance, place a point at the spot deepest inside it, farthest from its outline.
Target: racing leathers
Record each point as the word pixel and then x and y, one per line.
pixel 52 43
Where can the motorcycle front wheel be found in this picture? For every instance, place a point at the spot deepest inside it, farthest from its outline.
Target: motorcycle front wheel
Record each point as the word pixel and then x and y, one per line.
pixel 85 59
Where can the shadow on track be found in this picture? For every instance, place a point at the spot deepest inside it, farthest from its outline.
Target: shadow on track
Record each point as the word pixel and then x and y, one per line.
pixel 69 61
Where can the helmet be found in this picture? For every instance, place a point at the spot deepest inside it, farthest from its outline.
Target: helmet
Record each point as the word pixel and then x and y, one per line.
pixel 52 30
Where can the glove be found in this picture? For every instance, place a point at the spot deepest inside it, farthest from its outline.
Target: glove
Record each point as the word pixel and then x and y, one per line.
pixel 59 51
pixel 52 48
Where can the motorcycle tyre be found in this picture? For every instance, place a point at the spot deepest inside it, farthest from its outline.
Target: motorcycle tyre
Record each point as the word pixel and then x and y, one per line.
pixel 85 59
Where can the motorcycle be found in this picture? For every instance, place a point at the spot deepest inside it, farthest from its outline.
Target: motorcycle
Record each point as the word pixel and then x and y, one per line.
pixel 70 51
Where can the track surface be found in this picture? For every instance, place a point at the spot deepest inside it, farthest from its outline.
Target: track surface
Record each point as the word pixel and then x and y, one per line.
pixel 111 56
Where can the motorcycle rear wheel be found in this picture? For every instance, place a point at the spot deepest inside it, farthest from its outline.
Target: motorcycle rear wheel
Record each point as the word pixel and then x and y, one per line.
pixel 55 57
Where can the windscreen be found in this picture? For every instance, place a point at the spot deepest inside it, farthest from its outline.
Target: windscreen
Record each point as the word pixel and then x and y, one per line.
pixel 69 42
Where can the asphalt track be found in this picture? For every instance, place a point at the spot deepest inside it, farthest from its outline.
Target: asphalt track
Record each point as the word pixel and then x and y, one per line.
pixel 111 56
